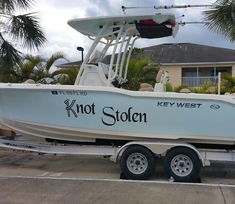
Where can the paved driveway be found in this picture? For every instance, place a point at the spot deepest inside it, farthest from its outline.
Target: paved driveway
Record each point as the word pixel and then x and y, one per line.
pixel 32 178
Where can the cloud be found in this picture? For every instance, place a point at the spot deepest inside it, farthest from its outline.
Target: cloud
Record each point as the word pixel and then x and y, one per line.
pixel 102 7
pixel 61 37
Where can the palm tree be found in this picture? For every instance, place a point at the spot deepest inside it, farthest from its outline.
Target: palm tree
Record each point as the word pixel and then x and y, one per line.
pixel 36 68
pixel 31 67
pixel 140 71
pixel 23 30
pixel 222 18
pixel 66 75
pixel 228 83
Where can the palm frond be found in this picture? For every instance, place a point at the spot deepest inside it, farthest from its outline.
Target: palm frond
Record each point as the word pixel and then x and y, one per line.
pixel 135 67
pixel 148 74
pixel 139 71
pixel 27 29
pixel 7 6
pixel 31 68
pixel 23 4
pixel 29 57
pixel 9 55
pixel 31 62
pixel 221 18
pixel 10 6
pixel 53 58
pixel 70 72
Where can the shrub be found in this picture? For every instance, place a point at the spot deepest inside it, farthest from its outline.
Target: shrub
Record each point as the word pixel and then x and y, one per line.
pixel 178 88
pixel 169 87
pixel 206 88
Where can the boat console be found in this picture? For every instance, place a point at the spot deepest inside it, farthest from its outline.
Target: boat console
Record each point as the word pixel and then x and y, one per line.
pixel 116 36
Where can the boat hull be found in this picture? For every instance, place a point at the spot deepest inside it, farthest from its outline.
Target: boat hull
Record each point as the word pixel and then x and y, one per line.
pixel 80 113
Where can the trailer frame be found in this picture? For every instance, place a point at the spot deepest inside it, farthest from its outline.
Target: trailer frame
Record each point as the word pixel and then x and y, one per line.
pixel 161 149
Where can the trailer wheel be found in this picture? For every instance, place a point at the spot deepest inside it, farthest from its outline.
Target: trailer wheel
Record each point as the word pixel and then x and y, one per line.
pixel 137 163
pixel 182 165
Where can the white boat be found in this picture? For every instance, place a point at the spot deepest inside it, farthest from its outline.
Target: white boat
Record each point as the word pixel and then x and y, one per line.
pixel 94 108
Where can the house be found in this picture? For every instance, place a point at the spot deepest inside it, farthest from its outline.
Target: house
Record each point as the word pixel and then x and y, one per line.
pixel 192 64
pixel 189 64
pixel 70 64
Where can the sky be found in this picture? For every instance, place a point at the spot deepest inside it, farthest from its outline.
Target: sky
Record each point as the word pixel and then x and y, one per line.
pixel 54 15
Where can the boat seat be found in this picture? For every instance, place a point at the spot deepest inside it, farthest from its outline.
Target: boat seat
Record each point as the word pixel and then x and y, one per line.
pixel 105 68
pixel 161 79
pixel 159 76
pixel 94 75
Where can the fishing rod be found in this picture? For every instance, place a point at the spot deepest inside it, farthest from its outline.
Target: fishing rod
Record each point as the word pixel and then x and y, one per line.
pixel 183 23
pixel 124 8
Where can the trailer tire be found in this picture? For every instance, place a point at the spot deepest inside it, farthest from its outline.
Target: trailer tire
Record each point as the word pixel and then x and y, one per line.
pixel 137 163
pixel 182 165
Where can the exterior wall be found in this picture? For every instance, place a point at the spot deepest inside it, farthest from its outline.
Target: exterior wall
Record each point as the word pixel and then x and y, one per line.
pixel 175 71
pixel 233 70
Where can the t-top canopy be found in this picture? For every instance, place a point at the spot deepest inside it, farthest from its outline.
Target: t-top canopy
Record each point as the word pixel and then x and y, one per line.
pixel 145 26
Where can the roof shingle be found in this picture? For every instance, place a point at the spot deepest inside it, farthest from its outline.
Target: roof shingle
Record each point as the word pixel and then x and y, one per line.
pixel 178 53
pixel 188 53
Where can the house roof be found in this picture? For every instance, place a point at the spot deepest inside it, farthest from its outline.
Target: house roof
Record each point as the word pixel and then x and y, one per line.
pixel 70 64
pixel 183 53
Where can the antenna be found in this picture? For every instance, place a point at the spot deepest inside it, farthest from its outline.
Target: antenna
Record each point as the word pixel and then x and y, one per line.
pixel 233 11
pixel 124 8
pixel 183 23
pixel 181 6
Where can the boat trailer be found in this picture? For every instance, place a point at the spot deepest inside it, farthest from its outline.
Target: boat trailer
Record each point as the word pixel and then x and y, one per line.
pixel 136 158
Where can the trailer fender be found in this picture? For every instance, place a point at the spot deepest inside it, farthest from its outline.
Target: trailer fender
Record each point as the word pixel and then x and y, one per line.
pixel 158 149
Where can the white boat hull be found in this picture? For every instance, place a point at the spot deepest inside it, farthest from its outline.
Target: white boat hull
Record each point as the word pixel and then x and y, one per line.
pixel 79 113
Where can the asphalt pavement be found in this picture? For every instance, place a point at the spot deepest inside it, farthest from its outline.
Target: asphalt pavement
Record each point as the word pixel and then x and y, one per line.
pixel 31 178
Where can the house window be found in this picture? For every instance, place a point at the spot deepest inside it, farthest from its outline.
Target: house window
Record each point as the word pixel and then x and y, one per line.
pixel 206 74
pixel 189 76
pixel 223 70
pixel 196 76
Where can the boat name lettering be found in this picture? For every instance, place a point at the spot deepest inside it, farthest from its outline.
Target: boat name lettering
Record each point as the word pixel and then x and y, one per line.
pixel 69 92
pixel 76 109
pixel 178 104
pixel 112 116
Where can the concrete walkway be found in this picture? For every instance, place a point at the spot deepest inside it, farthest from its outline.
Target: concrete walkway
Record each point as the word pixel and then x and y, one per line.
pixel 37 190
